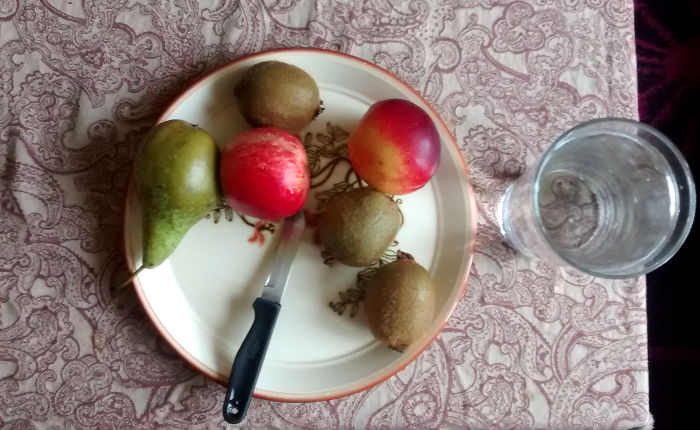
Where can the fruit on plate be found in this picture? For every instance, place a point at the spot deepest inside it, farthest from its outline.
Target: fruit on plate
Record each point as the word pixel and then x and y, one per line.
pixel 175 175
pixel 357 226
pixel 395 147
pixel 264 173
pixel 277 94
pixel 399 302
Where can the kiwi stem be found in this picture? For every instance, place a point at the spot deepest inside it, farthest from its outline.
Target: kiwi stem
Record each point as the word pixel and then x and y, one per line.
pixel 131 278
pixel 400 255
pixel 399 348
pixel 319 110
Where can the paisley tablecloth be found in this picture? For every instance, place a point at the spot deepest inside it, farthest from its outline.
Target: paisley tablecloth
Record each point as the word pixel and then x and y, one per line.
pixel 530 345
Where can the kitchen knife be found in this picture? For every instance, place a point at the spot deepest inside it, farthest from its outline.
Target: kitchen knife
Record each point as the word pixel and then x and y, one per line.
pixel 249 358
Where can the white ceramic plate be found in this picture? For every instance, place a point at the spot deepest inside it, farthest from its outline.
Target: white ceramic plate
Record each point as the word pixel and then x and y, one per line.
pixel 200 299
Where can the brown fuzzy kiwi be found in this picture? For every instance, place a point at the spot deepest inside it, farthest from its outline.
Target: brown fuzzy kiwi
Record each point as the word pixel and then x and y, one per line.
pixel 400 302
pixel 277 94
pixel 357 226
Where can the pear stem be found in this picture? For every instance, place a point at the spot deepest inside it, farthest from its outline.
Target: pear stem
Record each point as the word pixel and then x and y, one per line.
pixel 131 278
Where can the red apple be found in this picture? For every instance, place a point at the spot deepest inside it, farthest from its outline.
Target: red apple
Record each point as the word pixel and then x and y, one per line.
pixel 264 173
pixel 396 147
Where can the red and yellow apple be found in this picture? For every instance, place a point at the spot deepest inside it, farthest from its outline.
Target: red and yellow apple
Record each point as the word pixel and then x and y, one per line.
pixel 395 147
pixel 264 173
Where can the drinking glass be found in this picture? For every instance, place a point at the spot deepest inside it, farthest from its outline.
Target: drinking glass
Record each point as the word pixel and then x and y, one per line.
pixel 611 197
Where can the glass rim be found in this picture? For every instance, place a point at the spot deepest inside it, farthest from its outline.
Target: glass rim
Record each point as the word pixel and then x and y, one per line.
pixel 678 164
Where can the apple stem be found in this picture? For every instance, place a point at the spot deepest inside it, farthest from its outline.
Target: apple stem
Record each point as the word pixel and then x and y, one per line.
pixel 130 279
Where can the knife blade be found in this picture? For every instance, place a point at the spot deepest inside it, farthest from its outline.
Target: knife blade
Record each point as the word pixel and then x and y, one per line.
pixel 250 356
pixel 289 243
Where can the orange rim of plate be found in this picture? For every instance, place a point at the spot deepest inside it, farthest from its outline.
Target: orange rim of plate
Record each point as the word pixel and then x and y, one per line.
pixel 381 377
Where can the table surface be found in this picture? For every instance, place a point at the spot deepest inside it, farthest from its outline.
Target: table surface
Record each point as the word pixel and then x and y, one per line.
pixel 529 345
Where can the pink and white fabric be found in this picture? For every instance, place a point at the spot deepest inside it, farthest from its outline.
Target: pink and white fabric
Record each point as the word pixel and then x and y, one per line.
pixel 530 345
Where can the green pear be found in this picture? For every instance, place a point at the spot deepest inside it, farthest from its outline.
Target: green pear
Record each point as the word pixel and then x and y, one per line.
pixel 176 178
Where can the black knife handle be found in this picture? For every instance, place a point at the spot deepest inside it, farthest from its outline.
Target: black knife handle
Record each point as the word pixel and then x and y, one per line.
pixel 249 358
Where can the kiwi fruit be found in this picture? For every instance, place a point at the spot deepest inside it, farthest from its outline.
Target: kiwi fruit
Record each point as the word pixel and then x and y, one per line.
pixel 399 303
pixel 277 94
pixel 357 226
